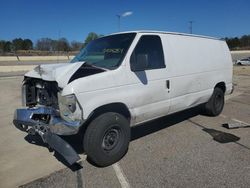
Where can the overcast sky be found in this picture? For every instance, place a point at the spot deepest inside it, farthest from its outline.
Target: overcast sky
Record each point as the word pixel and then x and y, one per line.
pixel 74 19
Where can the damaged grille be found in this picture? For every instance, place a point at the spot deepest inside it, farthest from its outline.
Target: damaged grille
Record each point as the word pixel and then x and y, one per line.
pixel 37 91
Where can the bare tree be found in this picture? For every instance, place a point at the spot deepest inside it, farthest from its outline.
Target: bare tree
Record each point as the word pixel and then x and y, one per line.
pixel 63 45
pixel 44 44
pixel 76 46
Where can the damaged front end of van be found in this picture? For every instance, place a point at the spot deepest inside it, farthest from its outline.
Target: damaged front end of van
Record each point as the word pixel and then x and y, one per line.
pixel 46 112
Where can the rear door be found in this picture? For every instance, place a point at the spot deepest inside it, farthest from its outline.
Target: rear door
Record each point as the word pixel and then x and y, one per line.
pixel 150 86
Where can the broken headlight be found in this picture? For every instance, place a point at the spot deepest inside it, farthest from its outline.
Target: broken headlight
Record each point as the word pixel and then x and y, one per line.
pixel 69 108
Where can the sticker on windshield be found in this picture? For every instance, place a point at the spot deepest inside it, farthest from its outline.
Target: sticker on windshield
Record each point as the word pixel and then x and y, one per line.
pixel 113 50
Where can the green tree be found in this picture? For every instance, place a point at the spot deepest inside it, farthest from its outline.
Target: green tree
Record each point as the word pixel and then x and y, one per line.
pixel 2 42
pixel 245 41
pixel 17 44
pixel 233 43
pixel 5 46
pixel 27 44
pixel 238 43
pixel 91 36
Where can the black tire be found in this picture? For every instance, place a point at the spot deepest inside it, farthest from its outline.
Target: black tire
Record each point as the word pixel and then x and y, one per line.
pixel 216 103
pixel 239 64
pixel 106 139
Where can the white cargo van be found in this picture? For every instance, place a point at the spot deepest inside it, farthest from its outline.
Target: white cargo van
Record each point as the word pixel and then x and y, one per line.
pixel 121 80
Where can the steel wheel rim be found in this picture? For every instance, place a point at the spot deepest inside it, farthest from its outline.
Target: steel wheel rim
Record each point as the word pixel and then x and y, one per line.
pixel 110 139
pixel 218 101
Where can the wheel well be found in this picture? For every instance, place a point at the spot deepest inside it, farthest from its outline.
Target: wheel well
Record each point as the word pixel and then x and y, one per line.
pixel 112 107
pixel 222 86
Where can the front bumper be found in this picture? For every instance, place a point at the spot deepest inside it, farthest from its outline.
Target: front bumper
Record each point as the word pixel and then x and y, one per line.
pixel 23 120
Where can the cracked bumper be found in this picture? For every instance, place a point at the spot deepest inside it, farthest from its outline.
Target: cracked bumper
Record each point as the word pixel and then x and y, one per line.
pixel 23 119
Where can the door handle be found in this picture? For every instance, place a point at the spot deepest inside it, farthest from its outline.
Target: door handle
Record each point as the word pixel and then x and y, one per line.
pixel 168 84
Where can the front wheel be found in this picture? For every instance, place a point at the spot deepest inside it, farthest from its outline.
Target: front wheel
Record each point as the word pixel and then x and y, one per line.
pixel 107 138
pixel 216 103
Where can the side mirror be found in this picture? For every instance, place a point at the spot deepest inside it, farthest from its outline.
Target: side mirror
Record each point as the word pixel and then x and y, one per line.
pixel 139 62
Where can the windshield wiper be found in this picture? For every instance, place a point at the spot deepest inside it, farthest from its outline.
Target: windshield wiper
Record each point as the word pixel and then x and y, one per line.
pixel 91 65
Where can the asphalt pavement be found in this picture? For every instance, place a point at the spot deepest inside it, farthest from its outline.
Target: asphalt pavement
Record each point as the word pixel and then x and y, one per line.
pixel 185 149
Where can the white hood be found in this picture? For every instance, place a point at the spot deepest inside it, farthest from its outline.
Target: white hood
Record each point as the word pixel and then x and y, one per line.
pixel 60 73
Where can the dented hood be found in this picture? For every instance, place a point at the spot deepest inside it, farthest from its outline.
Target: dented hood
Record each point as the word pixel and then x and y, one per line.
pixel 62 73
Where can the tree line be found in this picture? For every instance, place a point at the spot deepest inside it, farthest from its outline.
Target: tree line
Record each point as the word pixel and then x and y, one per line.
pixel 241 43
pixel 45 44
pixel 62 44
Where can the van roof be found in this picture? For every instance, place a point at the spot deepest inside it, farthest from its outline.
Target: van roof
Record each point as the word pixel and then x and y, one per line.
pixel 167 32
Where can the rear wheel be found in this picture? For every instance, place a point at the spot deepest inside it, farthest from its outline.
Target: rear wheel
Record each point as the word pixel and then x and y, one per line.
pixel 216 103
pixel 107 138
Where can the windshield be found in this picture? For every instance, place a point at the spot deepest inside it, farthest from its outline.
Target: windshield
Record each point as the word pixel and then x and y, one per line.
pixel 106 52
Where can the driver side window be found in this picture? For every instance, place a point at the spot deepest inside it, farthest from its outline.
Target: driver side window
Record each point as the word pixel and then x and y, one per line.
pixel 148 54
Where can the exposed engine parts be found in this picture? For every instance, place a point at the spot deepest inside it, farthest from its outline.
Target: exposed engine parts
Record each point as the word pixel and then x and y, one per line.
pixel 37 91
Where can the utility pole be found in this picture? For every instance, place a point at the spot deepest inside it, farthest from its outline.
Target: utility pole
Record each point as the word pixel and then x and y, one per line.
pixel 191 27
pixel 119 22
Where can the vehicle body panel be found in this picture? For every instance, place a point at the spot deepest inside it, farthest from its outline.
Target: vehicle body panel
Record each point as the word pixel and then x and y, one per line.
pixel 55 72
pixel 190 61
